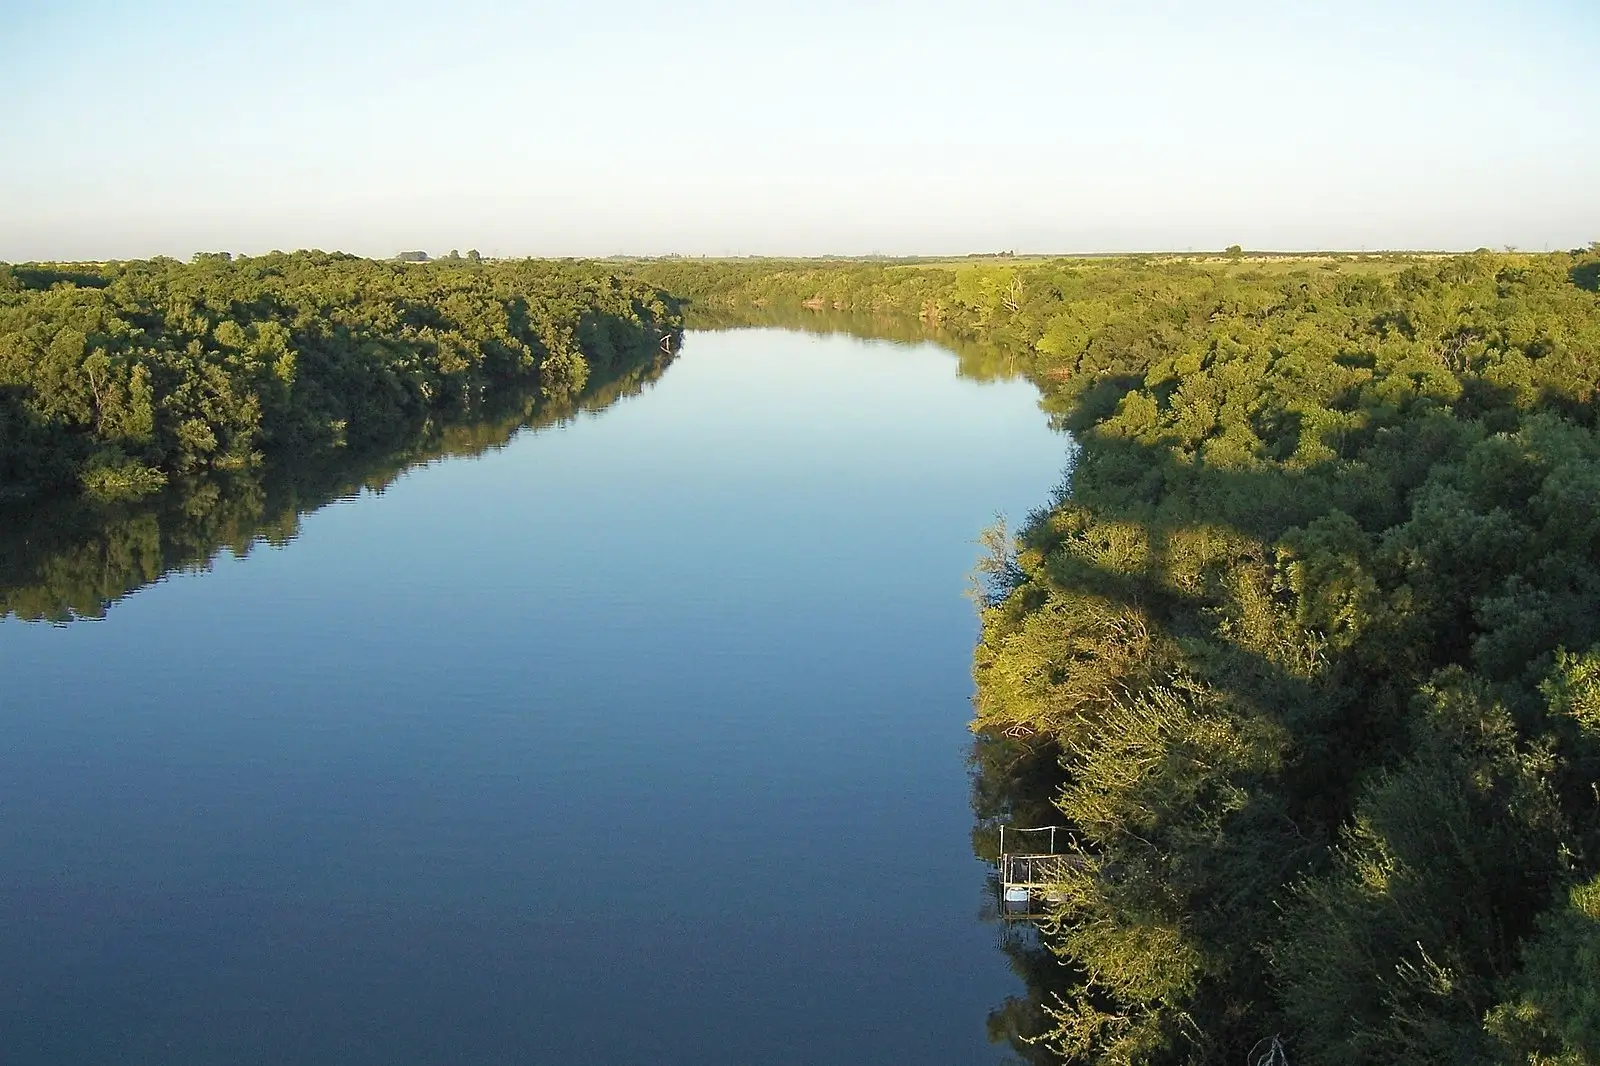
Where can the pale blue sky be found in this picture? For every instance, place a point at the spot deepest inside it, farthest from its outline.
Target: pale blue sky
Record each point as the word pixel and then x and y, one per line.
pixel 709 126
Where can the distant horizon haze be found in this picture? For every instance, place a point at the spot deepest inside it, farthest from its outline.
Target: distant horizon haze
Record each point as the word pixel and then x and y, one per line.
pixel 790 129
pixel 1177 253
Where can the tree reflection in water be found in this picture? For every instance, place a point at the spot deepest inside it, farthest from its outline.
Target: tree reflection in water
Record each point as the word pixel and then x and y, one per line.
pixel 1013 780
pixel 63 560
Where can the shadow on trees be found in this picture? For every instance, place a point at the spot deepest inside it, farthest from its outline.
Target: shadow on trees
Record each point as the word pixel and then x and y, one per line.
pixel 1308 603
pixel 42 276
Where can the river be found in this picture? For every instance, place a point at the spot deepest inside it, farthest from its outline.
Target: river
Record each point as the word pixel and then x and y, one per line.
pixel 641 738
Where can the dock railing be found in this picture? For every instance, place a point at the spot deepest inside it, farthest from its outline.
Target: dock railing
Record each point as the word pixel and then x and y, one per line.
pixel 1029 880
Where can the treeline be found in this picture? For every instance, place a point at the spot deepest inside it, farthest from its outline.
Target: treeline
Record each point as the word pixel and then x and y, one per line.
pixel 978 359
pixel 1310 637
pixel 69 557
pixel 116 377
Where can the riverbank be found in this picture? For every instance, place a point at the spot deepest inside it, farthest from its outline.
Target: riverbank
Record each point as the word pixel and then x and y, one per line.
pixel 1315 625
pixel 117 377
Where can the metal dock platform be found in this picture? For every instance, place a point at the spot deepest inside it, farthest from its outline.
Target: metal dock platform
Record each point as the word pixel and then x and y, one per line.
pixel 1030 881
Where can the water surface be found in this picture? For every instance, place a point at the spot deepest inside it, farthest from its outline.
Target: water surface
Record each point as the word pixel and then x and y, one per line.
pixel 638 740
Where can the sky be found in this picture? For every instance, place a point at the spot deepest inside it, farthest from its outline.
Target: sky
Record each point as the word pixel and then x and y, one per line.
pixel 713 127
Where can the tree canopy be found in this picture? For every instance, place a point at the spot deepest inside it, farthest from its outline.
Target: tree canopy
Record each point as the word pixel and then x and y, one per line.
pixel 115 377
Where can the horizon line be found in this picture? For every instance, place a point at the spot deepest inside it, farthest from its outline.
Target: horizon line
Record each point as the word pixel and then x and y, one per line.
pixel 911 257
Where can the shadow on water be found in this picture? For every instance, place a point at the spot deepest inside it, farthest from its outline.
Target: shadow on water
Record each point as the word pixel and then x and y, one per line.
pixel 1586 276
pixel 1012 783
pixel 64 560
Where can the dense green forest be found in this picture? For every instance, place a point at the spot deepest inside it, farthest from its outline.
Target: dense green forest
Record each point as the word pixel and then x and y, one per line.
pixel 1306 649
pixel 117 377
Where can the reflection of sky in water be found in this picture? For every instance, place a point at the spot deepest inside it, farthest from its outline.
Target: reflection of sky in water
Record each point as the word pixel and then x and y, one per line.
pixel 640 740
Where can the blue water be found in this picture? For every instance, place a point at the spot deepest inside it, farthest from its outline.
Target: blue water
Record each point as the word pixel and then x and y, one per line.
pixel 640 740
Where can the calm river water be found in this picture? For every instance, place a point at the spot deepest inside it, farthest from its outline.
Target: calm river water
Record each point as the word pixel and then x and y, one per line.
pixel 639 740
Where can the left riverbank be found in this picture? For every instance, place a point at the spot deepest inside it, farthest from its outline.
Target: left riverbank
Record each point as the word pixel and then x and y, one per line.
pixel 117 377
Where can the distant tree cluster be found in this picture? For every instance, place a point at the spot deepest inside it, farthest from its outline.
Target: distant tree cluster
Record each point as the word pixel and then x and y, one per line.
pixel 115 377
pixel 1309 645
